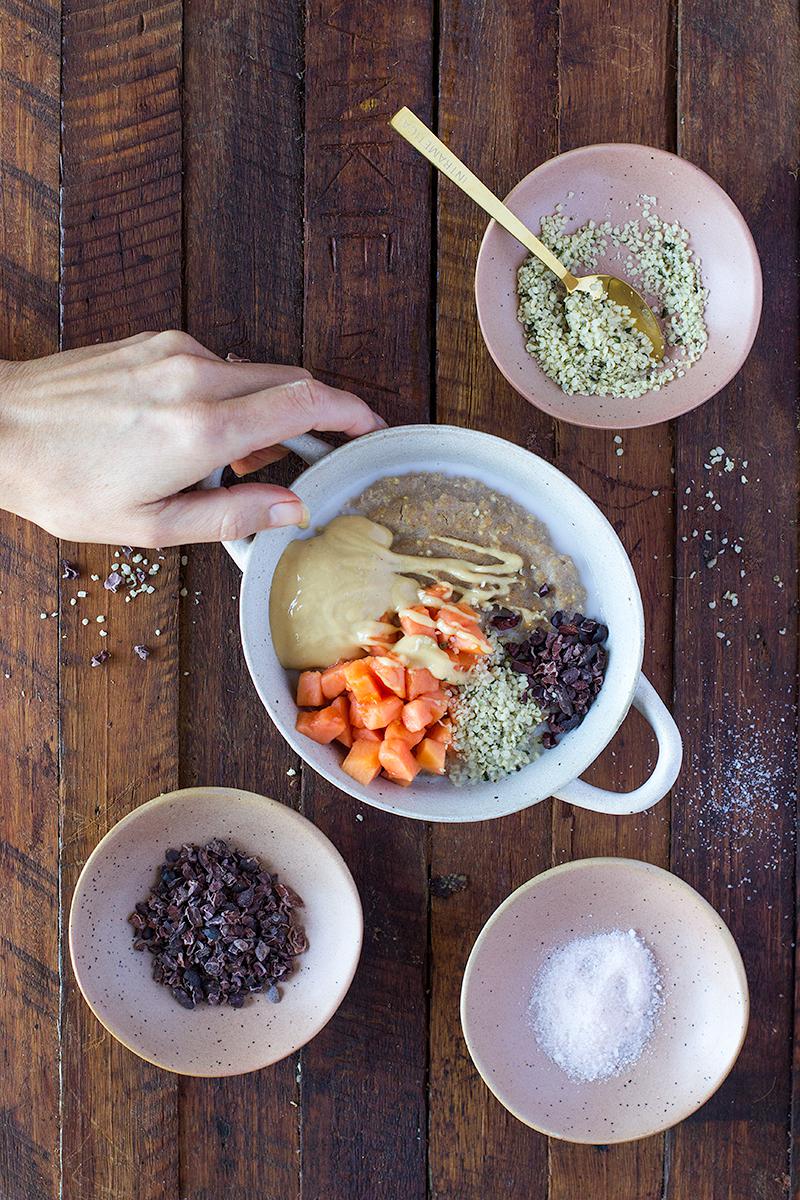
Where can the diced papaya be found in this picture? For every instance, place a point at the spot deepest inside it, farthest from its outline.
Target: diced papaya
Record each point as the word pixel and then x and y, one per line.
pixel 367 735
pixel 341 705
pixel 333 681
pixel 461 659
pixel 322 726
pixel 417 621
pixel 356 717
pixel 397 760
pixel 431 755
pixel 441 732
pixel 363 762
pixel 391 673
pixel 362 681
pixel 309 690
pixel 379 713
pixel 462 630
pixel 424 711
pixel 420 680
pixel 396 779
pixel 398 730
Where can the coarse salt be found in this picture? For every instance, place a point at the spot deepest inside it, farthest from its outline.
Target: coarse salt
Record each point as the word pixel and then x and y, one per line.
pixel 595 1003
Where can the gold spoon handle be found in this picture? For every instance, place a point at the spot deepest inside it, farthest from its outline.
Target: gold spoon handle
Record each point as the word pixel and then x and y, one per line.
pixel 421 138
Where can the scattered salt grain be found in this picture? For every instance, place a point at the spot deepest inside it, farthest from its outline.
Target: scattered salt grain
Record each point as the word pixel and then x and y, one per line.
pixel 595 1003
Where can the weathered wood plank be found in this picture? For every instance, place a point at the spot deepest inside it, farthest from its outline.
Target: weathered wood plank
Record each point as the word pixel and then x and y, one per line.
pixel 243 200
pixel 121 273
pixel 29 993
pixel 734 808
pixel 616 73
pixel 476 1148
pixel 367 309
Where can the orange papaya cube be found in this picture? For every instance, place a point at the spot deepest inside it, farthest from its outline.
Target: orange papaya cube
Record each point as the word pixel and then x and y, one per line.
pixel 418 715
pixel 397 760
pixel 424 711
pixel 420 680
pixel 431 755
pixel 356 717
pixel 398 730
pixel 309 690
pixel 322 726
pixel 333 681
pixel 380 713
pixel 391 673
pixel 417 621
pixel 362 681
pixel 367 735
pixel 363 761
pixel 442 732
pixel 461 659
pixel 341 705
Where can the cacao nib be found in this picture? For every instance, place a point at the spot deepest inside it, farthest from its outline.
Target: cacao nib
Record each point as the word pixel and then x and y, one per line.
pixel 211 957
pixel 565 667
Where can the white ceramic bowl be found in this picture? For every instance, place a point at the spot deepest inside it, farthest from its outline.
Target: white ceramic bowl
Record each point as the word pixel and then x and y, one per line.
pixel 577 527
pixel 701 1026
pixel 117 981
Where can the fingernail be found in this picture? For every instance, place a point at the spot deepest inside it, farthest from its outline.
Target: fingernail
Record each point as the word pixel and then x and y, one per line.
pixel 289 512
pixel 379 421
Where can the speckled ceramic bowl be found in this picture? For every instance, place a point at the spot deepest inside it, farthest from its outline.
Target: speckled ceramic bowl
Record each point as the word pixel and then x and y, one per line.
pixel 605 181
pixel 702 1023
pixel 576 527
pixel 116 980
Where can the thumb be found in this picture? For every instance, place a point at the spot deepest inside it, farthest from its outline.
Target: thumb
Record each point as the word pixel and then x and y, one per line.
pixel 225 514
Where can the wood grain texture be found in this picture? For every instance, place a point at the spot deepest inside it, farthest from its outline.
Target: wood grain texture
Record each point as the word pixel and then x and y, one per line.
pixel 367 328
pixel 243 183
pixel 734 809
pixel 121 273
pixel 29 985
pixel 616 75
pixel 476 1148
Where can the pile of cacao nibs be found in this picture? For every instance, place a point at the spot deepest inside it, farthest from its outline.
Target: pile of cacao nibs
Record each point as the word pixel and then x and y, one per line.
pixel 219 926
pixel 565 666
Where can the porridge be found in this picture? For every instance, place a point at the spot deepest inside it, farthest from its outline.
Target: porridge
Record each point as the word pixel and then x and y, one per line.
pixel 435 629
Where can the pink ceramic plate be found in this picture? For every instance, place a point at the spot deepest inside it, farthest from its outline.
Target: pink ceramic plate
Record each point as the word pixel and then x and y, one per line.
pixel 701 1025
pixel 606 181
pixel 116 980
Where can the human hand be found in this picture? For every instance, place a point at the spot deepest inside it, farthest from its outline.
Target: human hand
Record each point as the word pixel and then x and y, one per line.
pixel 98 444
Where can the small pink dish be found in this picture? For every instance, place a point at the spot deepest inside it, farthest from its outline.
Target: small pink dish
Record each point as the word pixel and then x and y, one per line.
pixel 700 1028
pixel 116 980
pixel 603 183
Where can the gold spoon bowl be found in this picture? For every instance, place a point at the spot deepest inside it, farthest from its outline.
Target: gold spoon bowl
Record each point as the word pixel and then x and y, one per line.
pixel 617 290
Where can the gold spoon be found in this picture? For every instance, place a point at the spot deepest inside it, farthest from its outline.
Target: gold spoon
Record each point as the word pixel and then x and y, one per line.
pixel 598 286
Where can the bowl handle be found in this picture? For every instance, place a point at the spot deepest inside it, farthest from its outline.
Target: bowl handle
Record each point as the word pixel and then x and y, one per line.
pixel 311 449
pixel 665 772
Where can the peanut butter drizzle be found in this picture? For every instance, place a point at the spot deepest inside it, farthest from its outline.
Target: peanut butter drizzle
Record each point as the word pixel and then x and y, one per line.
pixel 327 590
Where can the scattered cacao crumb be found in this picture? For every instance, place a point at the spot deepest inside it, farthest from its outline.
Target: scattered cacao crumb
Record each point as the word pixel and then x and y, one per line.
pixel 445 886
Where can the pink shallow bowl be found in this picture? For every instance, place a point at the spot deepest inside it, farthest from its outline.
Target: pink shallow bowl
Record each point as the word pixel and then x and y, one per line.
pixel 702 1023
pixel 117 982
pixel 606 181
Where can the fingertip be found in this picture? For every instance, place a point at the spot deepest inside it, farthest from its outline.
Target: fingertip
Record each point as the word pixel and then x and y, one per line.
pixel 288 512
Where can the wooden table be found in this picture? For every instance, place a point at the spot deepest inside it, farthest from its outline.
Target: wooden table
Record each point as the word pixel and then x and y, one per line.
pixel 225 166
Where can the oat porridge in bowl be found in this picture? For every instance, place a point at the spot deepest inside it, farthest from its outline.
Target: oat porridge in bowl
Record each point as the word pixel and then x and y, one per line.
pixel 457 635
